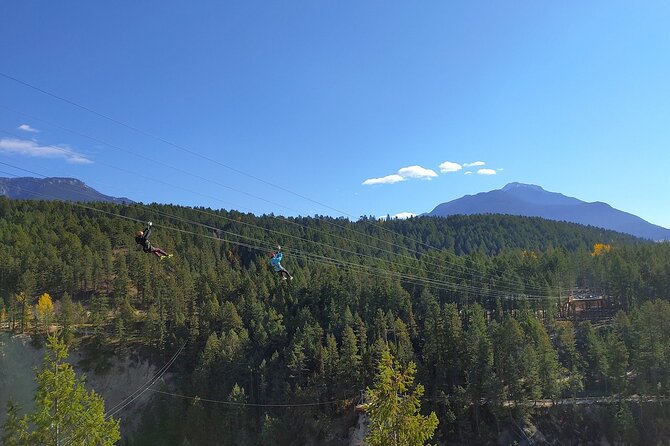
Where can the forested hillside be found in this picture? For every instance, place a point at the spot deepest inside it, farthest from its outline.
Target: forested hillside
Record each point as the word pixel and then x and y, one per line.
pixel 477 303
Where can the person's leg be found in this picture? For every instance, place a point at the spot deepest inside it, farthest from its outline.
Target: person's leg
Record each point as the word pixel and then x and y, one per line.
pixel 159 252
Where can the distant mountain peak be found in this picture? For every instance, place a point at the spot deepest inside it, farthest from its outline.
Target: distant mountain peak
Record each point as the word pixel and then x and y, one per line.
pixel 512 186
pixel 54 188
pixel 533 201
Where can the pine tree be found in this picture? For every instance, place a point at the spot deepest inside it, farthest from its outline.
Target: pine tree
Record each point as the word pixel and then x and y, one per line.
pixel 549 369
pixel 617 361
pixel 444 348
pixel 452 329
pixel 237 415
pixel 26 285
pixel 593 351
pixel 624 424
pixel 401 347
pixel 350 361
pixel 296 363
pixel 361 334
pixel 331 364
pixel 230 319
pixel 23 309
pixel 68 313
pixel 516 363
pixel 121 283
pixel 270 430
pixel 15 429
pixel 568 356
pixel 433 350
pixel 65 413
pixel 125 317
pixel 652 338
pixel 479 359
pixel 99 313
pixel 393 407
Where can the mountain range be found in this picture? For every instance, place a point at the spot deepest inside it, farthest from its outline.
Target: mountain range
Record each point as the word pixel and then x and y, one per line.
pixel 533 201
pixel 68 189
pixel 513 199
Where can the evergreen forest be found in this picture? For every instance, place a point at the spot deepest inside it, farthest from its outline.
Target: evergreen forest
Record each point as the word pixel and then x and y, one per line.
pixel 473 309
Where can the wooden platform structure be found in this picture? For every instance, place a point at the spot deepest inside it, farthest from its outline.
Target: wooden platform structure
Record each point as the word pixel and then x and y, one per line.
pixel 584 303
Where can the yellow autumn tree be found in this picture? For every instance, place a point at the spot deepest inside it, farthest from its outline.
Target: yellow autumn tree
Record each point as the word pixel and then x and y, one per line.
pixel 600 249
pixel 44 309
pixel 532 255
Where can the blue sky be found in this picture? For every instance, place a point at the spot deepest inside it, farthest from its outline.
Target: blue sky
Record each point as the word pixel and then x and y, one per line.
pixel 319 97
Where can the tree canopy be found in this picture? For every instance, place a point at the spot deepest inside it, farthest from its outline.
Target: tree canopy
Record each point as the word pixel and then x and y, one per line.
pixel 486 325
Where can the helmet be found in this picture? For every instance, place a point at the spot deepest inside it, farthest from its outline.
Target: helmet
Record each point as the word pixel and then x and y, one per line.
pixel 140 233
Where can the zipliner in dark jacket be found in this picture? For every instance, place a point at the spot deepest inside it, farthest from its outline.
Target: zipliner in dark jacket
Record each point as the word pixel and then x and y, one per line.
pixel 142 239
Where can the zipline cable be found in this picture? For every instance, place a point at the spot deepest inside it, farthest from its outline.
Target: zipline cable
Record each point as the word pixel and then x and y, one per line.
pixel 241 172
pixel 128 400
pixel 150 209
pixel 415 279
pixel 113 214
pixel 168 365
pixel 456 269
pixel 220 239
pixel 236 403
pixel 147 384
pixel 339 249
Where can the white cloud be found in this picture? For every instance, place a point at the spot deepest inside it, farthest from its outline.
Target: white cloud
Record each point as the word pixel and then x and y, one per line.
pixel 388 179
pixel 500 170
pixel 486 172
pixel 468 173
pixel 475 164
pixel 403 215
pixel 27 128
pixel 417 172
pixel 448 166
pixel 404 173
pixel 31 148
